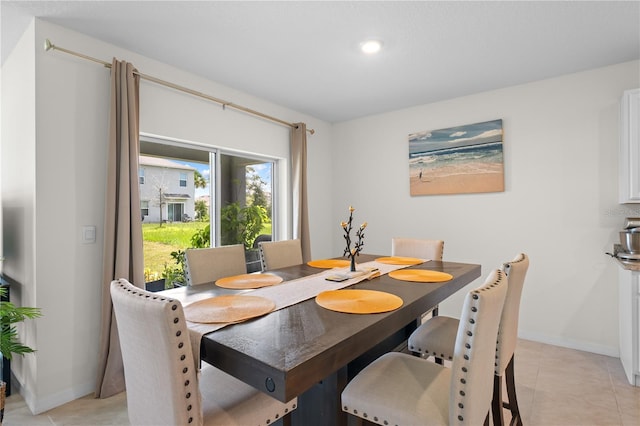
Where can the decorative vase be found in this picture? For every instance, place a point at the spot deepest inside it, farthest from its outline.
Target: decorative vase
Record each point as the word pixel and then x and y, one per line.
pixel 353 263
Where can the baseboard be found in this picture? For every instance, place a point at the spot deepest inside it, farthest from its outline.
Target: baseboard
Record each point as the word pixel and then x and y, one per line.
pixel 569 343
pixel 52 401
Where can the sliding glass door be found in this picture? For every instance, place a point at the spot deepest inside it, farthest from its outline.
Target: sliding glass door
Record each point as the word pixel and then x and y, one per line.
pixel 195 197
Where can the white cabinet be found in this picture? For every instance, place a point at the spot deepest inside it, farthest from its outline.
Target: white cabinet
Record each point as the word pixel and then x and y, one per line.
pixel 630 147
pixel 629 302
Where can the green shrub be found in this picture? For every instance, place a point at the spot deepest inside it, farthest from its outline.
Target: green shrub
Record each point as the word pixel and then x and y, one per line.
pixel 241 225
pixel 202 238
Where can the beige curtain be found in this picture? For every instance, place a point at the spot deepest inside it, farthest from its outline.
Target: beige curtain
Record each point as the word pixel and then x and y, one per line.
pixel 123 256
pixel 299 188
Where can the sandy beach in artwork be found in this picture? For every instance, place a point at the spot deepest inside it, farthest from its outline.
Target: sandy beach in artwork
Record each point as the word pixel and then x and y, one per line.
pixel 478 177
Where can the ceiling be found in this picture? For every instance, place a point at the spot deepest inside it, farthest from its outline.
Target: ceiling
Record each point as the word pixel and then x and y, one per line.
pixel 304 54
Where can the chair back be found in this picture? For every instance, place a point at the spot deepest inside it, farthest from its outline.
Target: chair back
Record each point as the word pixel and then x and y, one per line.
pixel 206 265
pixel 516 270
pixel 472 369
pixel 159 370
pixel 422 249
pixel 280 254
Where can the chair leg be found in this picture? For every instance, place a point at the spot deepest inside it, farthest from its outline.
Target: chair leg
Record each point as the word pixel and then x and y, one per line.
pixel 511 394
pixel 496 401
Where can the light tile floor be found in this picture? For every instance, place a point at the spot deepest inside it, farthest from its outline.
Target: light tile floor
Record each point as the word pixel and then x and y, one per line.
pixel 556 386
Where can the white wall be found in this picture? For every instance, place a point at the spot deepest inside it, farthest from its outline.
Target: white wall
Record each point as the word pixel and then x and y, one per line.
pixel 56 146
pixel 560 203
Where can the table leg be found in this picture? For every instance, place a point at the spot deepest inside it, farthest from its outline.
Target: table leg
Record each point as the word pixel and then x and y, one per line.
pixel 320 405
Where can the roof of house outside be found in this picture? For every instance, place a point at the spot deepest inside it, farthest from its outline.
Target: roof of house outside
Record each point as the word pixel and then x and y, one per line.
pixel 162 162
pixel 176 196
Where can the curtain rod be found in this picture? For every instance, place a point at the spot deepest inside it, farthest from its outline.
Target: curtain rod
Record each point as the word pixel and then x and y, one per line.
pixel 50 46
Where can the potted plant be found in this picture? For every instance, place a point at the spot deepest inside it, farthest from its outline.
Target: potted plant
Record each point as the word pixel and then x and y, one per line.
pixel 10 345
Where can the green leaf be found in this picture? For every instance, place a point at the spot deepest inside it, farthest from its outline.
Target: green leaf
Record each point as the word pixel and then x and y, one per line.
pixel 11 314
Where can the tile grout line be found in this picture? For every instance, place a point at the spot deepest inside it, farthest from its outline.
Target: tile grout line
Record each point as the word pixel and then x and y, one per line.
pixel 615 394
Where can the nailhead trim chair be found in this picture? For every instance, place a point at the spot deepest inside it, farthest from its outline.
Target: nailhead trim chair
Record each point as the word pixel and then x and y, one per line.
pixel 422 249
pixel 206 265
pixel 400 389
pixel 436 337
pixel 280 254
pixel 164 386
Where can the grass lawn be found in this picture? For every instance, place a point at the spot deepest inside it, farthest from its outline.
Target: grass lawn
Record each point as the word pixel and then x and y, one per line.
pixel 160 241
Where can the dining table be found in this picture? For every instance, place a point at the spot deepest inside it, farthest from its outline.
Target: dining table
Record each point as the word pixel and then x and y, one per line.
pixel 310 352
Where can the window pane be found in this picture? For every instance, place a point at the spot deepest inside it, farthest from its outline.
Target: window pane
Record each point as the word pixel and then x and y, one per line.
pixel 246 200
pixel 173 181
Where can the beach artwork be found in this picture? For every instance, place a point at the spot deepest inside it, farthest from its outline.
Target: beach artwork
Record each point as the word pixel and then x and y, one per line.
pixel 457 160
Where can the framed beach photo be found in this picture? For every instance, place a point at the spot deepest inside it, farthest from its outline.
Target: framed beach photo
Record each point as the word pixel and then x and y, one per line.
pixel 457 160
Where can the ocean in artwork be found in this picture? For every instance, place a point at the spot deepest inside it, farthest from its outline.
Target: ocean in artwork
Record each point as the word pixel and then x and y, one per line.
pixel 460 159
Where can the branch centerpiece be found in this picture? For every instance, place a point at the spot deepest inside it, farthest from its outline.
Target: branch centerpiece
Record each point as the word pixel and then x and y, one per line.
pixel 354 251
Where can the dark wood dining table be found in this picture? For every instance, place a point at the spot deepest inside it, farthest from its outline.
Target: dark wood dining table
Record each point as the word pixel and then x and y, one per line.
pixel 309 352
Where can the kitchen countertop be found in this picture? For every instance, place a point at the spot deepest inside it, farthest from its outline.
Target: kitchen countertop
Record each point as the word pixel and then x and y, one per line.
pixel 629 264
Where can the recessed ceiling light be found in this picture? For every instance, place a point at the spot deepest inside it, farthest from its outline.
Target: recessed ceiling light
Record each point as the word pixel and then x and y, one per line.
pixel 371 46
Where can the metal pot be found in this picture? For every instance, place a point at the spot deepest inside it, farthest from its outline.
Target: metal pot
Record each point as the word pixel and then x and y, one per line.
pixel 630 241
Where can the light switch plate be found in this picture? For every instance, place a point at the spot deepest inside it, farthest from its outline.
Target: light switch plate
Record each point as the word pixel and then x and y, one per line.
pixel 88 234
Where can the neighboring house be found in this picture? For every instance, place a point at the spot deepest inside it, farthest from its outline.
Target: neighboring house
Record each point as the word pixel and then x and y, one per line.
pixel 166 190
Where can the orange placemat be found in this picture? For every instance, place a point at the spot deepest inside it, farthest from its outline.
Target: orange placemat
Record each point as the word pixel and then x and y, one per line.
pixel 248 281
pixel 358 301
pixel 228 308
pixel 399 260
pixel 420 275
pixel 328 263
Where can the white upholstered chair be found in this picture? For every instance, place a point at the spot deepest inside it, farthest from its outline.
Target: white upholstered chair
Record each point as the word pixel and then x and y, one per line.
pixel 422 249
pixel 400 389
pixel 206 265
pixel 163 384
pixel 437 336
pixel 280 254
